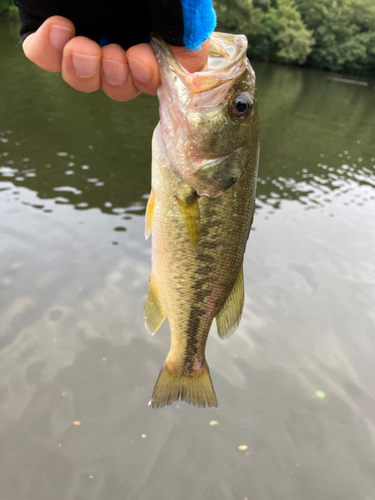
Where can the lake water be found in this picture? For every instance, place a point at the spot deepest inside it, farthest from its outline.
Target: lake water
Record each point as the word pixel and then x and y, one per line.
pixel 295 383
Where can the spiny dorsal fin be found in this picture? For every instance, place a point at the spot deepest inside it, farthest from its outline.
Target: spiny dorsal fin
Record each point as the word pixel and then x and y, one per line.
pixel 153 315
pixel 149 214
pixel 191 216
pixel 229 317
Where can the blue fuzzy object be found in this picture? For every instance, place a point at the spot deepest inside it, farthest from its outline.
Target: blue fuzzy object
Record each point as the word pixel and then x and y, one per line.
pixel 199 22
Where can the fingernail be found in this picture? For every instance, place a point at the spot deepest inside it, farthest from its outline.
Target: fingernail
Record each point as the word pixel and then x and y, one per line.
pixel 85 66
pixel 59 36
pixel 115 72
pixel 139 70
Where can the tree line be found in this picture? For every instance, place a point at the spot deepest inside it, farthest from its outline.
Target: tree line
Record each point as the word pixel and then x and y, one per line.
pixel 337 35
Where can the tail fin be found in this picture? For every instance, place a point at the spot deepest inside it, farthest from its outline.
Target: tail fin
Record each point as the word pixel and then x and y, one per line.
pixel 195 389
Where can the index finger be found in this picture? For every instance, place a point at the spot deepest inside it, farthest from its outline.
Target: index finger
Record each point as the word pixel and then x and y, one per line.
pixel 144 68
pixel 45 46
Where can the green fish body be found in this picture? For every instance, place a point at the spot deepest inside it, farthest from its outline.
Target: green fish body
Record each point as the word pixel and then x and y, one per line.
pixel 205 154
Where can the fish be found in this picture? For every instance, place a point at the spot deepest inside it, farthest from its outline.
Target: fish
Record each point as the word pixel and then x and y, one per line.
pixel 205 154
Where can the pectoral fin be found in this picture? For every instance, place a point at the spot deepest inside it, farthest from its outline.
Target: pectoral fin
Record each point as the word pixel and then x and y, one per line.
pixel 229 317
pixel 191 216
pixel 153 315
pixel 149 214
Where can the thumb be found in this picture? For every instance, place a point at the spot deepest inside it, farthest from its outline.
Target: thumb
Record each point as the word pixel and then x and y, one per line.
pixel 192 60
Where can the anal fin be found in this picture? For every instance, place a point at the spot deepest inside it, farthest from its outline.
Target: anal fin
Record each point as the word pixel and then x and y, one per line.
pixel 153 315
pixel 228 319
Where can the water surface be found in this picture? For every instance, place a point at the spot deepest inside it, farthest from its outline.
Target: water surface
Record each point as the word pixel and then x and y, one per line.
pixel 295 383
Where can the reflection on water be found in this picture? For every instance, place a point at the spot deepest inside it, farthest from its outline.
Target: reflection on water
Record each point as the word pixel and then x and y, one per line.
pixel 65 181
pixel 80 177
pixel 78 180
pixel 76 365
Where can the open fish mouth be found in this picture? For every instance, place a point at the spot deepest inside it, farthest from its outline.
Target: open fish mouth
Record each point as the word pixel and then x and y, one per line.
pixel 225 62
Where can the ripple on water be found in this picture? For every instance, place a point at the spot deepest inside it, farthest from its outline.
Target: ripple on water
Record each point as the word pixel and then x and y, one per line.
pixel 322 185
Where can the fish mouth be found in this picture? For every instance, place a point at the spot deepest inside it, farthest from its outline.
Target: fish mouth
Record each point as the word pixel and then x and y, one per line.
pixel 225 62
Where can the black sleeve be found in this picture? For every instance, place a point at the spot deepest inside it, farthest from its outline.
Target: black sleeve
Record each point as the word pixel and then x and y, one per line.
pixel 126 23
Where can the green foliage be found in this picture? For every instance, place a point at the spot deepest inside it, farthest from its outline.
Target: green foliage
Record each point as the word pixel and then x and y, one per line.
pixel 7 7
pixel 275 33
pixel 281 36
pixel 330 34
pixel 344 31
pixel 293 39
pixel 233 16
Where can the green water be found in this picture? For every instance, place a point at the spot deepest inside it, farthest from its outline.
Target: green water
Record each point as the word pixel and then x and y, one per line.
pixel 295 383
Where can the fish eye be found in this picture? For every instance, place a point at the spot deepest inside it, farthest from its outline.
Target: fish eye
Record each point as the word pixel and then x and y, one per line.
pixel 241 106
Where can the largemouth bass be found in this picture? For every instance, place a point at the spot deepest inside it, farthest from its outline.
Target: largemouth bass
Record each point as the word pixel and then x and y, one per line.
pixel 205 153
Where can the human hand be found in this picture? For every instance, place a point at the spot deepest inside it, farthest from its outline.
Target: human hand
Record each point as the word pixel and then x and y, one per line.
pixel 86 66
